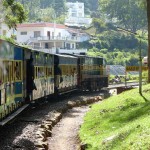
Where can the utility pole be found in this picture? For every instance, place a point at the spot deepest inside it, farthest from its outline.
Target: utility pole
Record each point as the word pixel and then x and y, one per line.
pixel 148 18
pixel 140 58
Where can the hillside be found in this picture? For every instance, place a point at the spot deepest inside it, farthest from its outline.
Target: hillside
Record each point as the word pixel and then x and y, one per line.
pixel 119 48
pixel 118 123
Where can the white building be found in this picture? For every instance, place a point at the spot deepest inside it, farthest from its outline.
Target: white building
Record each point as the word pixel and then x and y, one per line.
pixel 55 38
pixel 5 31
pixel 75 9
pixel 76 16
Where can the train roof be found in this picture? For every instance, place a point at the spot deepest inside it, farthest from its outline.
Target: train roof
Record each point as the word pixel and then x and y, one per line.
pixel 79 55
pixel 65 55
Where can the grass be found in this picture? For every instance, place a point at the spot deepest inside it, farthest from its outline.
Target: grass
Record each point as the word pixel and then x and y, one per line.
pixel 121 122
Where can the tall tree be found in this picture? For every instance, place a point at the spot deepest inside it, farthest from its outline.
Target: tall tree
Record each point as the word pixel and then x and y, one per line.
pixel 13 13
pixel 59 6
pixel 127 13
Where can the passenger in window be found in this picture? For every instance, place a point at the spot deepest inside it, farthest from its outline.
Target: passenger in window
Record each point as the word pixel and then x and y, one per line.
pixel 39 73
pixel 42 73
pixel 74 71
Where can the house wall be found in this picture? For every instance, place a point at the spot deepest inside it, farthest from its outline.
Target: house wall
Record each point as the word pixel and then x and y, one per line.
pixel 4 29
pixel 75 9
pixel 30 33
pixel 76 16
pixel 43 30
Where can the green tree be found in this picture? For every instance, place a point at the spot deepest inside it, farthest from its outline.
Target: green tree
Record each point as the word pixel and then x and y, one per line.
pixel 13 13
pixel 127 14
pixel 59 7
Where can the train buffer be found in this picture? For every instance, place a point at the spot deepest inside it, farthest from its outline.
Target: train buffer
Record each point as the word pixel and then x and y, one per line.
pixel 13 115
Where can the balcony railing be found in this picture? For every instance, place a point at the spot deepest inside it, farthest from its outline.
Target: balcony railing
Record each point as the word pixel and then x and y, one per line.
pixel 52 38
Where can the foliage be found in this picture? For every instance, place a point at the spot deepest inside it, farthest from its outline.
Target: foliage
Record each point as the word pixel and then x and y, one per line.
pixel 13 13
pixel 90 6
pixel 44 10
pixel 119 48
pixel 11 40
pixel 106 41
pixel 127 14
pixel 119 122
pixel 116 57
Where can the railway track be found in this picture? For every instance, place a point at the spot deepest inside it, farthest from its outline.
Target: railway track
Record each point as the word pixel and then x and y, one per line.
pixel 21 133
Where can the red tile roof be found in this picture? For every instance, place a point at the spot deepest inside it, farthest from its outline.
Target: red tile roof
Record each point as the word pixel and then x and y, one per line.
pixel 43 24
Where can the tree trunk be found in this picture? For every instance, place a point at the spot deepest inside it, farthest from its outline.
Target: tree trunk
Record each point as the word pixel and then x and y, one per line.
pixel 148 18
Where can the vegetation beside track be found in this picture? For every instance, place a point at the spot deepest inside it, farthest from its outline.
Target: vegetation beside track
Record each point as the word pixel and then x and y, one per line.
pixel 118 123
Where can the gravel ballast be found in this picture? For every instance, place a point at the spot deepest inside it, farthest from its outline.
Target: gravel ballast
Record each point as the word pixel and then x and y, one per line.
pixel 36 125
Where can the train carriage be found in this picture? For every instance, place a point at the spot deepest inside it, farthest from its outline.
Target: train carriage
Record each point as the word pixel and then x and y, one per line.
pixel 39 70
pixel 11 79
pixel 92 73
pixel 43 75
pixel 65 70
pixel 28 75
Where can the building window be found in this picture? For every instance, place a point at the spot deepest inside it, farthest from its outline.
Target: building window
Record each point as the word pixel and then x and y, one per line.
pixel 80 14
pixel 74 15
pixel 68 46
pixel 46 45
pixel 4 32
pixel 37 34
pixel 59 34
pixel 37 45
pixel 73 46
pixel 23 33
pixel 52 35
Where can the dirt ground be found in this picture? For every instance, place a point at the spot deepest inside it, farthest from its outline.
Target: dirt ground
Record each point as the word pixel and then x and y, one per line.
pixel 65 133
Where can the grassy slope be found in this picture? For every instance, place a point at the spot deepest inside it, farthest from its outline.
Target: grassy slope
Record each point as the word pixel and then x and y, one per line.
pixel 120 122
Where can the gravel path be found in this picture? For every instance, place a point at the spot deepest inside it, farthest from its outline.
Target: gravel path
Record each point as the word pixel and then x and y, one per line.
pixel 65 133
pixel 21 135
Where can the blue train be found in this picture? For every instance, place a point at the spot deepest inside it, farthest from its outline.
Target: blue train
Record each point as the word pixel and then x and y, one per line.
pixel 28 75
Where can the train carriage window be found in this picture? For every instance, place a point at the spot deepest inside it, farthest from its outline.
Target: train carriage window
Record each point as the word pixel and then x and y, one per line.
pixel 17 70
pixel 48 72
pixel 12 70
pixel 36 72
pixel 1 75
pixel 5 71
pixel 43 72
pixel 36 58
pixel 40 72
pixel 45 59
pixel 0 98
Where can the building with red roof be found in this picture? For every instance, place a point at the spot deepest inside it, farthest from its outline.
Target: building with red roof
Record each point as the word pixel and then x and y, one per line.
pixel 57 38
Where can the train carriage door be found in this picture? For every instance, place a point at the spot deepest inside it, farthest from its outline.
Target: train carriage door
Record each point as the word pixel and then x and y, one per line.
pixel 29 78
pixel 18 69
pixel 79 71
